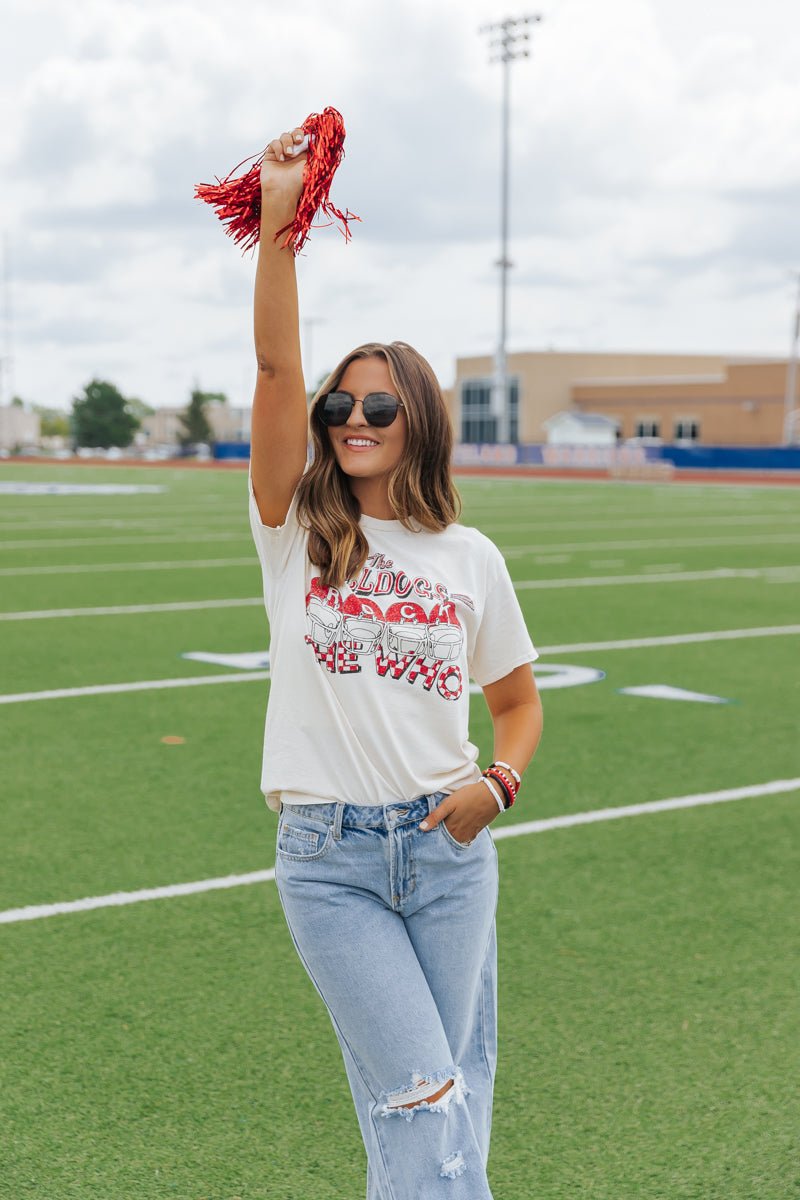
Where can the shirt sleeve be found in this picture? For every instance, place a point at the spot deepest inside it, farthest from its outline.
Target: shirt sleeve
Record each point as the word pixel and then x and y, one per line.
pixel 502 641
pixel 275 544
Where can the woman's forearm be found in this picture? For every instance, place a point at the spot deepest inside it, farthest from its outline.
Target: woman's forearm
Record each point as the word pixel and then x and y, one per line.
pixel 517 733
pixel 275 309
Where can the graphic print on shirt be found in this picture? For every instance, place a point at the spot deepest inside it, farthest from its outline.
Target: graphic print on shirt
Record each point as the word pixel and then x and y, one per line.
pixel 407 640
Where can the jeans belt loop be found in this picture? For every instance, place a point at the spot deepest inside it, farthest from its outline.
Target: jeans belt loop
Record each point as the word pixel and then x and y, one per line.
pixel 337 820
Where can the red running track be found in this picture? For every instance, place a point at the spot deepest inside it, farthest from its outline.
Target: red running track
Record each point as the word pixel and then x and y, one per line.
pixel 679 475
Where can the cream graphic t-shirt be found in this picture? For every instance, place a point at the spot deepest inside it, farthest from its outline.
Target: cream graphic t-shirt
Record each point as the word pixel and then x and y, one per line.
pixel 369 692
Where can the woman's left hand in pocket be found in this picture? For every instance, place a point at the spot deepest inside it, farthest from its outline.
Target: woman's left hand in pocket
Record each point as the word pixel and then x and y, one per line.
pixel 467 810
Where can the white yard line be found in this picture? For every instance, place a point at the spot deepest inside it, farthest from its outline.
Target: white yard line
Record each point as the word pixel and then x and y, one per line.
pixel 81 568
pixel 190 535
pixel 30 487
pixel 652 543
pixel 788 573
pixel 509 552
pixel 145 685
pixel 139 685
pixel 787 570
pixel 675 639
pixel 171 518
pixel 117 610
pixel 33 912
pixel 239 530
pixel 717 573
pixel 652 522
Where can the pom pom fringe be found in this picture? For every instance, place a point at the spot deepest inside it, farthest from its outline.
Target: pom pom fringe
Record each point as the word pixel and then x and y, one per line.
pixel 238 201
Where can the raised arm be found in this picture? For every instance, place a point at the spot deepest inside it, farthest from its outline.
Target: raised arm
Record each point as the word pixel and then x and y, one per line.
pixel 279 435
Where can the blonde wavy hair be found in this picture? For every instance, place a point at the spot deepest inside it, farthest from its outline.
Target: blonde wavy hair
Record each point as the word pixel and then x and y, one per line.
pixel 422 494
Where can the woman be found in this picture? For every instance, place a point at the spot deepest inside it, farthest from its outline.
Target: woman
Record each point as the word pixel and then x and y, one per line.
pixel 381 605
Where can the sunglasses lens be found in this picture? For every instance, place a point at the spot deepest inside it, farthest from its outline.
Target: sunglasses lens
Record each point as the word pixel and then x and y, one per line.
pixel 335 408
pixel 380 409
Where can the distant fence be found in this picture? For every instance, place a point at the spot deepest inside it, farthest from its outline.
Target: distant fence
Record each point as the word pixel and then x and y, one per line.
pixel 232 450
pixel 737 458
pixel 702 458
pixel 488 455
pixel 615 458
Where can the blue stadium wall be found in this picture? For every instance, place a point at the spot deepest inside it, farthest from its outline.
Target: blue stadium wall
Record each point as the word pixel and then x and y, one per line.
pixel 703 458
pixel 232 450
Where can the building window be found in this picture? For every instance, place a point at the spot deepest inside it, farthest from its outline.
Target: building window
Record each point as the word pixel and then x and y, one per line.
pixel 477 422
pixel 687 431
pixel 648 428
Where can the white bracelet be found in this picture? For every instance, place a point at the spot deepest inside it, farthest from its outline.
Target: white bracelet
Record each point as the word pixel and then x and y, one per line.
pixel 493 790
pixel 508 767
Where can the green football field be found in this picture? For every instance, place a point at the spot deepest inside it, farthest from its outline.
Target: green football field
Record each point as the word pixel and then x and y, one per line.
pixel 170 1045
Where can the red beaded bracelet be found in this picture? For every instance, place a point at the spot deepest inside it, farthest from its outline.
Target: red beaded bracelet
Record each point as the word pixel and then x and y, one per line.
pixel 505 782
pixel 509 775
pixel 498 762
pixel 505 777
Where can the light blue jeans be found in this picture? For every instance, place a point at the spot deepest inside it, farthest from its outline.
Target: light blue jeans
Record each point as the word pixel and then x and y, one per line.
pixel 395 927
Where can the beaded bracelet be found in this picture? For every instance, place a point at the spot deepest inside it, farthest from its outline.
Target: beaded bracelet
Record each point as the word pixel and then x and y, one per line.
pixel 510 783
pixel 508 791
pixel 494 792
pixel 498 763
pixel 504 777
pixel 509 772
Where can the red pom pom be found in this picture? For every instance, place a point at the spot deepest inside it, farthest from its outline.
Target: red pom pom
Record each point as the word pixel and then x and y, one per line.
pixel 238 201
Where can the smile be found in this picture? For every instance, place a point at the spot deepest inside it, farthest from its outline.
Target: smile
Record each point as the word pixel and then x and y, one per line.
pixel 360 443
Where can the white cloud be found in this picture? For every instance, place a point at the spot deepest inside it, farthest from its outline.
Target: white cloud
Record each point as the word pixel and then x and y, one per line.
pixel 655 180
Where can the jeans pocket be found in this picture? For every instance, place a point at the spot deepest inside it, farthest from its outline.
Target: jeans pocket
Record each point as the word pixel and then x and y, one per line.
pixel 449 837
pixel 301 839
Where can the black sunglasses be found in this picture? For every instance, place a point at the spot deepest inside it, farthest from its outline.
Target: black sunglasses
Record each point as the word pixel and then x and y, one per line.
pixel 379 408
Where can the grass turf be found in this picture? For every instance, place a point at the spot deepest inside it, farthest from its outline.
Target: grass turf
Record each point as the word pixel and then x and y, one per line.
pixel 648 1000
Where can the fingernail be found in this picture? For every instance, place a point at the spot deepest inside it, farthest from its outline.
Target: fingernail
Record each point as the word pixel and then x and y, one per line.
pixel 290 149
pixel 423 825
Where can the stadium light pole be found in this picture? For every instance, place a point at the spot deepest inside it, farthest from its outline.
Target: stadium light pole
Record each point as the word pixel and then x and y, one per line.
pixel 789 410
pixel 308 327
pixel 509 41
pixel 7 357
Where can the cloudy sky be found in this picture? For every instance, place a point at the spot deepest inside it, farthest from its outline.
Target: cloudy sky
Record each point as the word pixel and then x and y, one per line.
pixel 655 181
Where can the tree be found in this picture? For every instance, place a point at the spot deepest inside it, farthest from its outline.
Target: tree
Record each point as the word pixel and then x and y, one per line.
pixel 139 409
pixel 53 422
pixel 194 420
pixel 101 417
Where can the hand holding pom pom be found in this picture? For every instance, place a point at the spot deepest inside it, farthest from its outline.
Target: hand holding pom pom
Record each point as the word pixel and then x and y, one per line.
pixel 299 166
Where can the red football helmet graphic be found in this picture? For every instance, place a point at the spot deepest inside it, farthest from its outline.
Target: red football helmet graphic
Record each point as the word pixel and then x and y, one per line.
pixel 362 624
pixel 324 593
pixel 445 635
pixel 323 619
pixel 406 626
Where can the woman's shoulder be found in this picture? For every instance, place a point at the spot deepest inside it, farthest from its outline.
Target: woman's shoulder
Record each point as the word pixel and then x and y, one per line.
pixel 468 537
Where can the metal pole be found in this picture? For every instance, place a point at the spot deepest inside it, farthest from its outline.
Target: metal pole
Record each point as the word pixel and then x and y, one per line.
pixel 500 397
pixel 789 410
pixel 7 361
pixel 510 42
pixel 308 324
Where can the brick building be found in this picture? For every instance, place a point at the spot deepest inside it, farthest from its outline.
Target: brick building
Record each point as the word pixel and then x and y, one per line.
pixel 703 398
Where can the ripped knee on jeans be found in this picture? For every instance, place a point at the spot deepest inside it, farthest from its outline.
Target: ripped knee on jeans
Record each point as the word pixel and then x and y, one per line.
pixel 430 1099
pixel 432 1092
